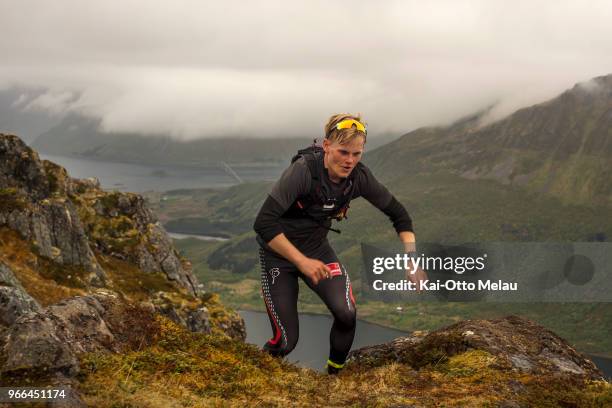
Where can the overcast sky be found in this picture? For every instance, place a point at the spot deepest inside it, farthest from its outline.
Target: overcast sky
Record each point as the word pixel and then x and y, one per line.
pixel 279 68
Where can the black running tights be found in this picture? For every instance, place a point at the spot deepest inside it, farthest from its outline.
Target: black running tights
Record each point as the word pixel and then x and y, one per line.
pixel 279 282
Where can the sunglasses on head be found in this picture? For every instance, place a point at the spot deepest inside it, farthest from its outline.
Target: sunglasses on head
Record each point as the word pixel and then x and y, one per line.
pixel 349 123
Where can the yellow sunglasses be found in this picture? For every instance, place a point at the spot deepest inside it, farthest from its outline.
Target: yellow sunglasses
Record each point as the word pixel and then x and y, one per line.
pixel 348 123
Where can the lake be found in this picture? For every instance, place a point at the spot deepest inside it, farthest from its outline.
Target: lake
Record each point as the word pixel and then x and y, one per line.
pixel 139 178
pixel 313 345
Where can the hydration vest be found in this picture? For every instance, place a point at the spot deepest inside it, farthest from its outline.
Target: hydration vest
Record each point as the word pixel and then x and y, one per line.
pixel 321 204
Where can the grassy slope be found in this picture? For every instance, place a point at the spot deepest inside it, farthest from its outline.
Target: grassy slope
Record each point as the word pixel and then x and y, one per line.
pixel 175 367
pixel 179 368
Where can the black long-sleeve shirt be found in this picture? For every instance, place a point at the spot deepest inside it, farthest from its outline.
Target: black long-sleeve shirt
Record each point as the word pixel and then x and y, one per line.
pixel 295 182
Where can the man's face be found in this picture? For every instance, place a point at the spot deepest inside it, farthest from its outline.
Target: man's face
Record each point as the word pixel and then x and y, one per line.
pixel 341 159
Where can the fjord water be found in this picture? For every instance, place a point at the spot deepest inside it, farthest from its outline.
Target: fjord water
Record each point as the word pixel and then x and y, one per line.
pixel 313 344
pixel 139 178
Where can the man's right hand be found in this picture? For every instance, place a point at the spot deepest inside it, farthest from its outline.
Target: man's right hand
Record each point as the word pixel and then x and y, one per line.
pixel 418 276
pixel 314 269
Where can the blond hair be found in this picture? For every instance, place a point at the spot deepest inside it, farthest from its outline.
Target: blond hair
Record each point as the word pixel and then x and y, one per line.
pixel 343 135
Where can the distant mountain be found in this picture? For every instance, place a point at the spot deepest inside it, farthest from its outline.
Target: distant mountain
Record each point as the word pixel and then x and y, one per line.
pixel 562 146
pixel 79 136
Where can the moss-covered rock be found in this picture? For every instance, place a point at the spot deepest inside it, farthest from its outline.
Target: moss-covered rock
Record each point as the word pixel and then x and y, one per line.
pixel 516 343
pixel 11 199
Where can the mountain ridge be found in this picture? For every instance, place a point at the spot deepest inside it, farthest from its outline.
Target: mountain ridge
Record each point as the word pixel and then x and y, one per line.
pixel 562 147
pixel 79 136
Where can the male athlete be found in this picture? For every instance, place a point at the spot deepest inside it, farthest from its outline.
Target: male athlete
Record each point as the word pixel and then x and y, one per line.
pixel 292 227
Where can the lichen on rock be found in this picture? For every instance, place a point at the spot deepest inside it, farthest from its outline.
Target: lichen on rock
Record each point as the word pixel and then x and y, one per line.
pixel 516 343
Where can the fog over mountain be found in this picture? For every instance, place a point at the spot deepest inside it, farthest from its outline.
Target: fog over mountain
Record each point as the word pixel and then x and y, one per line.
pixel 270 68
pixel 562 146
pixel 26 122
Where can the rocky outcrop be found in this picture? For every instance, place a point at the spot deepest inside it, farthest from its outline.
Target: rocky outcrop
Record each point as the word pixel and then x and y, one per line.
pixel 43 346
pixel 36 204
pixel 120 225
pixel 49 340
pixel 21 168
pixel 68 235
pixel 61 233
pixel 67 220
pixel 517 343
pixel 56 233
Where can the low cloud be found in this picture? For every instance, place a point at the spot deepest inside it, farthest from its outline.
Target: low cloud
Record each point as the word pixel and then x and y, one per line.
pixel 268 68
pixel 54 102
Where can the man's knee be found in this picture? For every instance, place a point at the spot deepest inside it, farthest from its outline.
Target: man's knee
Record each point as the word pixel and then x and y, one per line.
pixel 346 318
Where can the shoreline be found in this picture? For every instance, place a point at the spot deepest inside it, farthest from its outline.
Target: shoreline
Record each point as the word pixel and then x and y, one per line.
pixel 599 355
pixel 201 237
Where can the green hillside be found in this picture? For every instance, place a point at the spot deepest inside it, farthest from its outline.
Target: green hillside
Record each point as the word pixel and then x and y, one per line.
pixel 562 147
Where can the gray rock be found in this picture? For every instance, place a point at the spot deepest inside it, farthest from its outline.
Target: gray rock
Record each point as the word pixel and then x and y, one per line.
pixel 80 322
pixel 157 253
pixel 49 340
pixel 7 277
pixel 49 219
pixel 44 216
pixel 521 362
pixel 21 167
pixel 199 320
pixel 14 300
pixel 33 345
pixel 164 257
pixel 54 228
pixel 518 344
pixel 562 363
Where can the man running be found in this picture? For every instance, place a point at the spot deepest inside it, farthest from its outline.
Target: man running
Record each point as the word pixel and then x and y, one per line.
pixel 292 227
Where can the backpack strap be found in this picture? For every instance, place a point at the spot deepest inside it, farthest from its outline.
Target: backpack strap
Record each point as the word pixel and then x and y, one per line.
pixel 348 194
pixel 312 155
